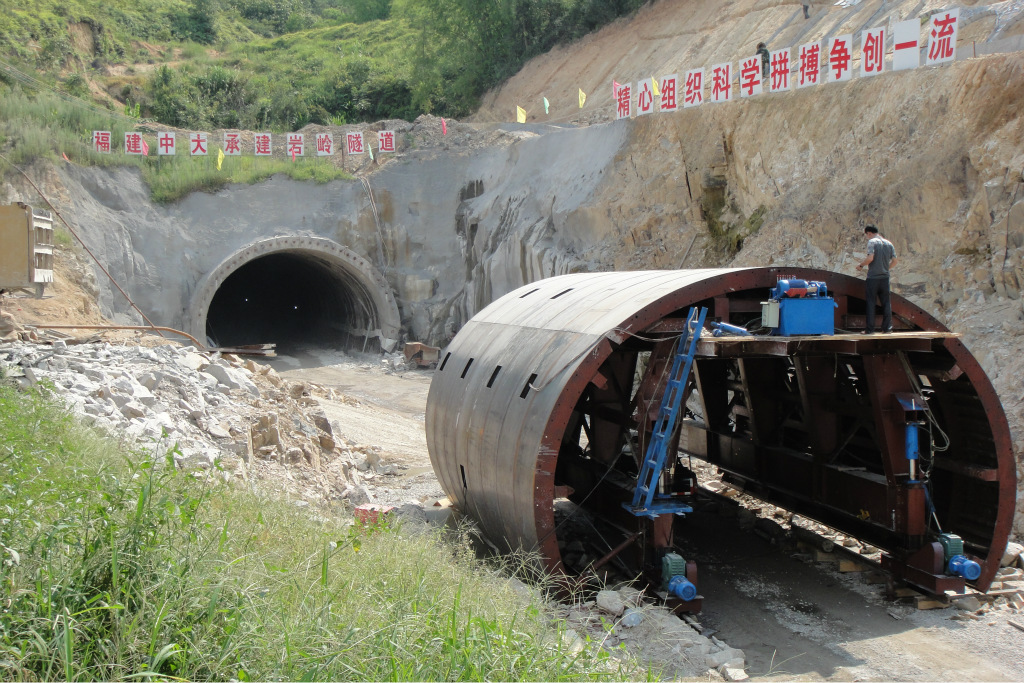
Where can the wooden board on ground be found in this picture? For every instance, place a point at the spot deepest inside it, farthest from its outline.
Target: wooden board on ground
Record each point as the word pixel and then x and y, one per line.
pixel 928 602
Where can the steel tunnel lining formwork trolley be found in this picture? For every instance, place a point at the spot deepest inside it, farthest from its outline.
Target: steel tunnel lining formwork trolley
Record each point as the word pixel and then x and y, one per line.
pixel 552 393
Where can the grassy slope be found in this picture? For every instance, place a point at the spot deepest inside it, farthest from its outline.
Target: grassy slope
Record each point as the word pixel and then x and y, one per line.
pixel 36 33
pixel 326 69
pixel 118 567
pixel 46 126
pixel 358 72
pixel 339 74
pixel 282 64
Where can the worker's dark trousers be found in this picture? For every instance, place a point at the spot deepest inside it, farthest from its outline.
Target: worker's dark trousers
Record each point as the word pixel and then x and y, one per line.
pixel 878 287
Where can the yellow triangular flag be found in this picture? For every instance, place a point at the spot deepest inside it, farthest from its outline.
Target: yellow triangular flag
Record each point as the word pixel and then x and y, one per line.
pixel 520 115
pixel 220 157
pixel 583 97
pixel 657 93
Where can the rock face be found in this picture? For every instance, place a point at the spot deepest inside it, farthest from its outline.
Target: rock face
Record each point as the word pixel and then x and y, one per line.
pixel 933 156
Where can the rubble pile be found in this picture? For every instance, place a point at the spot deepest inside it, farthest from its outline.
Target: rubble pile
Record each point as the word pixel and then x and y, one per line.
pixel 1006 596
pixel 207 411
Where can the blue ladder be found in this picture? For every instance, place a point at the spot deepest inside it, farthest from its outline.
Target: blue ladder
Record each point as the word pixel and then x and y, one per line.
pixel 646 500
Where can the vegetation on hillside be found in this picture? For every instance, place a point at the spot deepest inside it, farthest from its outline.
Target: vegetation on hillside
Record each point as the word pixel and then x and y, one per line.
pixel 44 125
pixel 280 64
pixel 341 74
pixel 115 567
pixel 256 65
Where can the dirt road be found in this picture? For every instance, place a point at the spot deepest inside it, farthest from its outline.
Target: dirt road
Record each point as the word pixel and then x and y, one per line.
pixel 376 406
pixel 800 620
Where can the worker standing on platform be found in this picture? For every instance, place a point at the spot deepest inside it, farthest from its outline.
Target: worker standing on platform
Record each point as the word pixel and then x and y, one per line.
pixel 880 258
pixel 766 59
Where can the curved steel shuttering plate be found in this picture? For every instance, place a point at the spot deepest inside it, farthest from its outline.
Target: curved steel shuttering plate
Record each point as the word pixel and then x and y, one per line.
pixel 500 401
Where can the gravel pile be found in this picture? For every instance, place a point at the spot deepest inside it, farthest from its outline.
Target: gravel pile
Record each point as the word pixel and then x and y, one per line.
pixel 210 412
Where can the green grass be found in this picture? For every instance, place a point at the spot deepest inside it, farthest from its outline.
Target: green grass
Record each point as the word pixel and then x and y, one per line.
pixel 281 64
pixel 171 178
pixel 37 32
pixel 359 72
pixel 115 567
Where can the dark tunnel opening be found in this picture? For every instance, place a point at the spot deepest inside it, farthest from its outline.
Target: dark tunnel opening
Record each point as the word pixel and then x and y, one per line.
pixel 293 299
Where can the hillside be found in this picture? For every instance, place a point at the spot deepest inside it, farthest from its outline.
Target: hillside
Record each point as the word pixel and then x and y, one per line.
pixel 240 63
pixel 279 66
pixel 670 36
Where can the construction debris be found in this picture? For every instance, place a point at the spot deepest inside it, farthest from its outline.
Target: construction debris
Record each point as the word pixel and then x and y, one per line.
pixel 421 355
pixel 208 411
pixel 1012 554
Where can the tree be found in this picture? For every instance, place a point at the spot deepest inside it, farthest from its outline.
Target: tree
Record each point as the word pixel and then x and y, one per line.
pixel 466 47
pixel 369 10
pixel 202 21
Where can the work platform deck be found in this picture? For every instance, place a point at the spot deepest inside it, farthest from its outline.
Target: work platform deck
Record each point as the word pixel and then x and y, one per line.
pixel 852 343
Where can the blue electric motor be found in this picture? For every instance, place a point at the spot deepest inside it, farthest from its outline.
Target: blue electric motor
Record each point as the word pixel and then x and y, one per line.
pixel 957 563
pixel 673 577
pixel 799 288
pixel 960 565
pixel 682 588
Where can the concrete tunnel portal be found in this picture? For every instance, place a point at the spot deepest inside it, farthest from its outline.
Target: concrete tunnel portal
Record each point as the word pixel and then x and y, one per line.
pixel 292 291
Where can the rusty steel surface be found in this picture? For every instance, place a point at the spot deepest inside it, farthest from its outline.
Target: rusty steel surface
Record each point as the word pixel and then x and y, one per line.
pixel 510 384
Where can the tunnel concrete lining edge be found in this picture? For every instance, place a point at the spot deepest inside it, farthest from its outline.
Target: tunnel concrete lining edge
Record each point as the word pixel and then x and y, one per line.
pixel 381 294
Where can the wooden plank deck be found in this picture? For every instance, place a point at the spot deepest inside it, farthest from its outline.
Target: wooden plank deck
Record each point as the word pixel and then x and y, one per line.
pixel 847 343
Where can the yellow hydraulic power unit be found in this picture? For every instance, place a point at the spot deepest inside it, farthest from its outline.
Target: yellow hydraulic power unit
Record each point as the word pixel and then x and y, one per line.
pixel 26 247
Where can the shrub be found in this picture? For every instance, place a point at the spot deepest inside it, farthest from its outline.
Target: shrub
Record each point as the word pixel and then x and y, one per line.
pixel 370 10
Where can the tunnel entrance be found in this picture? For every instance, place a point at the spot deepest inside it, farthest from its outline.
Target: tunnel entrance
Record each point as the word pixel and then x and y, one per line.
pixel 296 292
pixel 286 299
